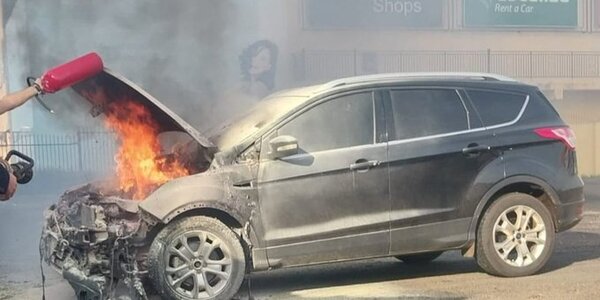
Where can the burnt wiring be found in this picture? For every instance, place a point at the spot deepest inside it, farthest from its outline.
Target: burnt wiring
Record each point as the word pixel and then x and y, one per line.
pixel 91 244
pixel 41 251
pixel 42 268
pixel 131 274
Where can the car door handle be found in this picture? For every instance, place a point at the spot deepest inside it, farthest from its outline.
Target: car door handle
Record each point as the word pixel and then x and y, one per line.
pixel 363 164
pixel 475 149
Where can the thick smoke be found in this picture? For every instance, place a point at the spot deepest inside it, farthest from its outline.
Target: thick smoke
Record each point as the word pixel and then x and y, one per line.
pixel 185 53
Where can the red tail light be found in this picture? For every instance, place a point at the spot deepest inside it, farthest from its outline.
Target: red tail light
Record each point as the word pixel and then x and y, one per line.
pixel 563 134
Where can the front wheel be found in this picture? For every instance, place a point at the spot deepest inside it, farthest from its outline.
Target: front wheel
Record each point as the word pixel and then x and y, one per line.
pixel 515 236
pixel 197 258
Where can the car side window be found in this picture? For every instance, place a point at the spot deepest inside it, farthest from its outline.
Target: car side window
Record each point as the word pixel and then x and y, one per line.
pixel 426 112
pixel 338 123
pixel 496 108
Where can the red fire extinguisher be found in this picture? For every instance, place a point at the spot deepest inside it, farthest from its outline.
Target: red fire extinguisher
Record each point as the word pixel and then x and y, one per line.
pixel 69 73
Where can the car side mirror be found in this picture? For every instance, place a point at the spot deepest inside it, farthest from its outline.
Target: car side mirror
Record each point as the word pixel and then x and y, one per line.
pixel 282 146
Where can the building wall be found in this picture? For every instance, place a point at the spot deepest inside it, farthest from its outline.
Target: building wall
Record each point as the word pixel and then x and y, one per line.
pixel 5 138
pixel 2 73
pixel 562 51
pixel 4 119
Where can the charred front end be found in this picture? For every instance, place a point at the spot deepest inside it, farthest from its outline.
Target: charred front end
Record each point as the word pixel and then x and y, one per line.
pixel 97 236
pixel 94 239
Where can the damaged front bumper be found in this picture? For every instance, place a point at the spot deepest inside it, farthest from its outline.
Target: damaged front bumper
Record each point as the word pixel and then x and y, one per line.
pixel 95 241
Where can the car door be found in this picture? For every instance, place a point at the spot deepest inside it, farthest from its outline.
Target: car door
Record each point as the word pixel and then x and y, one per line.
pixel 330 201
pixel 437 148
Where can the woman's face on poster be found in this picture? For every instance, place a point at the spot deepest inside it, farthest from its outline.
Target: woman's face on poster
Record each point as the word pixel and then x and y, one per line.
pixel 261 62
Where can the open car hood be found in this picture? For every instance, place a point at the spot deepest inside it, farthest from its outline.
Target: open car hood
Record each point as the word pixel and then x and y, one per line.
pixel 107 87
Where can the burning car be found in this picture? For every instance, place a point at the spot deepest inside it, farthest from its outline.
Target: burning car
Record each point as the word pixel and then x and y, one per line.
pixel 404 165
pixel 99 233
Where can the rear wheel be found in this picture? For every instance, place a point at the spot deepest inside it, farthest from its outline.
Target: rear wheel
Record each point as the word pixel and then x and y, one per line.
pixel 515 236
pixel 197 258
pixel 419 258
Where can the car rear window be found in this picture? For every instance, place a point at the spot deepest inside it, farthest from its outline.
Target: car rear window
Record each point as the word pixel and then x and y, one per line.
pixel 425 112
pixel 496 107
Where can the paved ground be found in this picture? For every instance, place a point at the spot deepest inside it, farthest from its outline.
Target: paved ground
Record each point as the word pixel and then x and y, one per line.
pixel 572 273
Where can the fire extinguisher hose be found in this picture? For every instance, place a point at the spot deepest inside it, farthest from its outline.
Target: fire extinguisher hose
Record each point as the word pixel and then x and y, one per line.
pixel 31 82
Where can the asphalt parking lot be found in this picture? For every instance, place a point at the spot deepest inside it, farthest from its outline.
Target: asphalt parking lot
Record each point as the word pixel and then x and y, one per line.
pixel 571 273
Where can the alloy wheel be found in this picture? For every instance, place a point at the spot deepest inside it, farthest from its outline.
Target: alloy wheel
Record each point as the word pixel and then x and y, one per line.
pixel 519 235
pixel 198 264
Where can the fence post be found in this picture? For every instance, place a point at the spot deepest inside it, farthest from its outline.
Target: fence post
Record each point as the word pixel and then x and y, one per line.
pixel 530 64
pixel 445 62
pixel 489 60
pixel 596 152
pixel 572 65
pixel 355 62
pixel 300 66
pixel 401 61
pixel 4 143
pixel 79 151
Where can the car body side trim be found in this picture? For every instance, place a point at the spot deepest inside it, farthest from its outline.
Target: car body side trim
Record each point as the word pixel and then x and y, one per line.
pixel 462 101
pixel 516 119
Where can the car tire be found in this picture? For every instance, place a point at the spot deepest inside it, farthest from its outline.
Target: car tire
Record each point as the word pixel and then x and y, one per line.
pixel 196 258
pixel 515 236
pixel 419 258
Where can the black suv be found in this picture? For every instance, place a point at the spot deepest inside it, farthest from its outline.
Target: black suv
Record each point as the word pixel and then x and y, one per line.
pixel 403 165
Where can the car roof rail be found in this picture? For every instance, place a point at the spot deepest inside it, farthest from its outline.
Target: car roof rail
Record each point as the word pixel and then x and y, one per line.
pixel 418 75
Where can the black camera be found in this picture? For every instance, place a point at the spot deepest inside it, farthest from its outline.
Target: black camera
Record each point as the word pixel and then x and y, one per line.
pixel 23 169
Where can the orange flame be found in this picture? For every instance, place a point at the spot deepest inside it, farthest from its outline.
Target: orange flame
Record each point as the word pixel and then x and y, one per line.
pixel 140 168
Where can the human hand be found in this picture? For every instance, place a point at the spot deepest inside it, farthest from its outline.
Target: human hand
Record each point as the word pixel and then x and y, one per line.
pixel 37 84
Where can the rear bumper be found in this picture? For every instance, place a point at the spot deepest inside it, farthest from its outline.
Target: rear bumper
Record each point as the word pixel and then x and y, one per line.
pixel 569 214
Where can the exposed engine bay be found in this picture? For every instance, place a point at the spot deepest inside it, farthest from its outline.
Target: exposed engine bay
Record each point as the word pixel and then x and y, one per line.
pixel 97 236
pixel 95 239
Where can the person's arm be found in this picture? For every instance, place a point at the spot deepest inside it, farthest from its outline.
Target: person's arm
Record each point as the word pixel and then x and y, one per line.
pixel 16 99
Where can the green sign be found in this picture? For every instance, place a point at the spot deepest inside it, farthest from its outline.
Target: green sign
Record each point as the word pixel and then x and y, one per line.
pixel 520 13
pixel 373 14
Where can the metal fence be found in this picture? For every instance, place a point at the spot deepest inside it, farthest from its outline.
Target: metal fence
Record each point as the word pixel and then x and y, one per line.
pixel 84 151
pixel 316 65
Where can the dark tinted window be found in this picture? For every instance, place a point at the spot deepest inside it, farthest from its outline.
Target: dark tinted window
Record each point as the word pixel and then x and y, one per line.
pixel 540 109
pixel 418 113
pixel 342 122
pixel 496 107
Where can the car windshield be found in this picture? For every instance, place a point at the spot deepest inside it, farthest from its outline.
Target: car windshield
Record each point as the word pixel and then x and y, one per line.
pixel 246 124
